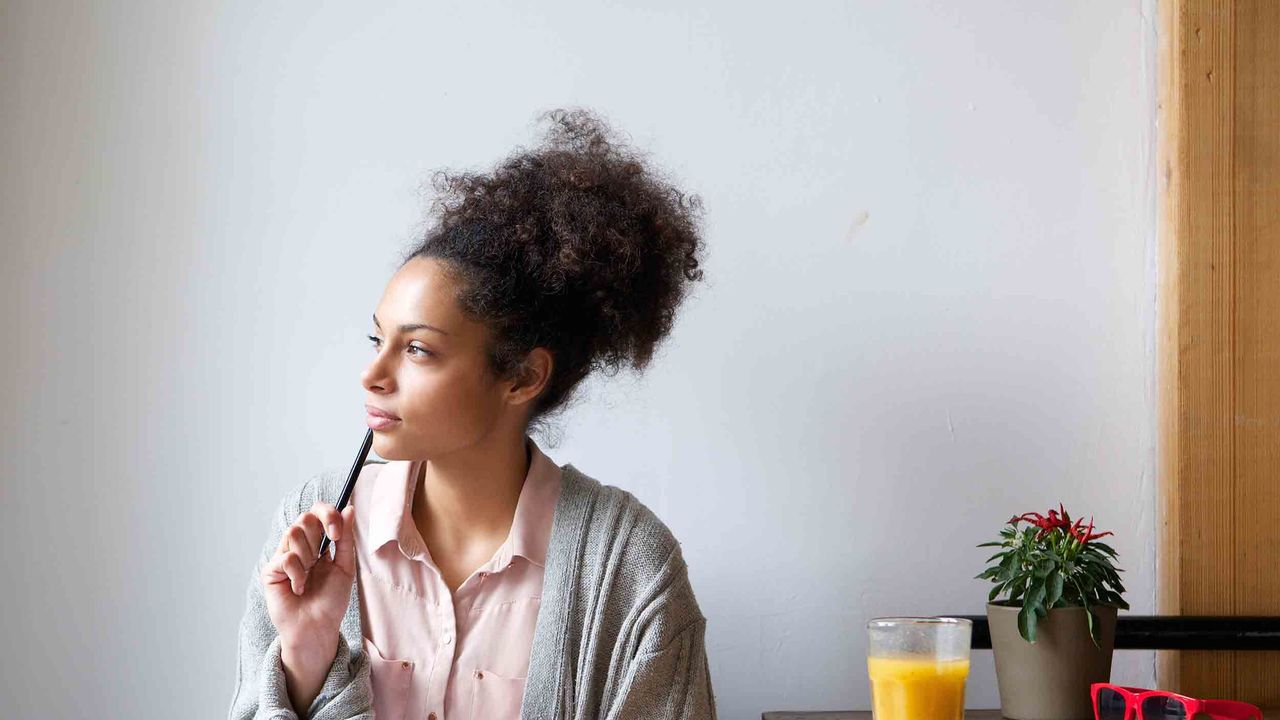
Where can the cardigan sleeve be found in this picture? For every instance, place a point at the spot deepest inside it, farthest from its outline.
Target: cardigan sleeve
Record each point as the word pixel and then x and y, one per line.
pixel 664 674
pixel 260 690
pixel 673 683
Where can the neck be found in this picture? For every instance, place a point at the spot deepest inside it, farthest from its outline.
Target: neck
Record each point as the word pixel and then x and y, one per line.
pixel 470 496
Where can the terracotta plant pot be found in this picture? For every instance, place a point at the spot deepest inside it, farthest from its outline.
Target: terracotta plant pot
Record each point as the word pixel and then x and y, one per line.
pixel 1050 679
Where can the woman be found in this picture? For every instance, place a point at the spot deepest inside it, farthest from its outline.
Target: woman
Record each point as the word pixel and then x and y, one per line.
pixel 471 576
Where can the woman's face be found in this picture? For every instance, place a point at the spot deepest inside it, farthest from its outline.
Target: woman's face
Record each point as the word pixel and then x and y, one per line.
pixel 429 369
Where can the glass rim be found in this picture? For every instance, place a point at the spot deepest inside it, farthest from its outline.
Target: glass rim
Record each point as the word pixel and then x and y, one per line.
pixel 884 622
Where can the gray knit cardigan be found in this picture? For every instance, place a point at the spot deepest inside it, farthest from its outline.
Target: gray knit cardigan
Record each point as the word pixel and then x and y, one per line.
pixel 618 635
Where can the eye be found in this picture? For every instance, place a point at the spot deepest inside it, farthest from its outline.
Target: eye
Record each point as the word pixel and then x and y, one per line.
pixel 376 341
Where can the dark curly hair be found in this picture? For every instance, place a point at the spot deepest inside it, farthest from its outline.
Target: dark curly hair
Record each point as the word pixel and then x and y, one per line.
pixel 576 245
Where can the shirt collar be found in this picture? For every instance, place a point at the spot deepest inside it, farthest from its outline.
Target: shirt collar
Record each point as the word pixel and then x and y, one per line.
pixel 391 516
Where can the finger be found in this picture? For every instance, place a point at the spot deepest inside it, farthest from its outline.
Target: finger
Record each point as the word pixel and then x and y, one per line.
pixel 332 519
pixel 345 549
pixel 300 542
pixel 277 571
pixel 273 572
pixel 296 570
pixel 327 515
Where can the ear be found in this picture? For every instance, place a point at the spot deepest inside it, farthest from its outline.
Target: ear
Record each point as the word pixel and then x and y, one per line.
pixel 531 377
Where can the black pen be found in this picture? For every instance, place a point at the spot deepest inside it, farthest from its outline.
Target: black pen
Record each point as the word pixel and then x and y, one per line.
pixel 346 489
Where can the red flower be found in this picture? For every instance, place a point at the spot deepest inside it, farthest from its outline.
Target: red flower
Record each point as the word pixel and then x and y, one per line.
pixel 1059 520
pixel 1086 535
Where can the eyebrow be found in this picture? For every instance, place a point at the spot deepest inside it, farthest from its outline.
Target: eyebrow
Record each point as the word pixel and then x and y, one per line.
pixel 410 327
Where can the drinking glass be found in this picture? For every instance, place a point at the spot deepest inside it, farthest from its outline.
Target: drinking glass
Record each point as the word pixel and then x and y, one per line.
pixel 918 667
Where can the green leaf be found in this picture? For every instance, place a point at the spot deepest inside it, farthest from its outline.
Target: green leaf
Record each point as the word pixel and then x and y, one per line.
pixel 994 592
pixel 1027 624
pixel 1036 595
pixel 1019 589
pixel 991 544
pixel 1008 568
pixel 1104 548
pixel 1093 626
pixel 1054 585
pixel 1088 612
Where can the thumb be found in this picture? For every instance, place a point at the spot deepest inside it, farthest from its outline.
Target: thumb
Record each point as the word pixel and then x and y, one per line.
pixel 345 549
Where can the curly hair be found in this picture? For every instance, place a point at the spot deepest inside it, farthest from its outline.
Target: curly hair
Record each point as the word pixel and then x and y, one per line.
pixel 576 245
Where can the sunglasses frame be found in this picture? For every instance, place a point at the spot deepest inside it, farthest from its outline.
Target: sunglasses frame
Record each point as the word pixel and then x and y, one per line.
pixel 1134 697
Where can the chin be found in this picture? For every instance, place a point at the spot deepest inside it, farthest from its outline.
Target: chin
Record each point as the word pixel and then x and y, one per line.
pixel 396 445
pixel 385 447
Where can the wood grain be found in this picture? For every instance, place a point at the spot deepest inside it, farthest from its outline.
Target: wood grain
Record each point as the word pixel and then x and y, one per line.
pixel 1256 333
pixel 1204 398
pixel 1220 332
pixel 1170 161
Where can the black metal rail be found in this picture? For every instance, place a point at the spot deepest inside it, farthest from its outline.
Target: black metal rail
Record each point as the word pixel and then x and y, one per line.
pixel 1163 632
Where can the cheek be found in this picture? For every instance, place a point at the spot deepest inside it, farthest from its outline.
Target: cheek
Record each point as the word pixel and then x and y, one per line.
pixel 432 395
pixel 444 409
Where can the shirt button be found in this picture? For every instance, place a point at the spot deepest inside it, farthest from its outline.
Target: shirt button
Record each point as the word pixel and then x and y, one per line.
pixel 431 716
pixel 479 675
pixel 448 639
pixel 405 664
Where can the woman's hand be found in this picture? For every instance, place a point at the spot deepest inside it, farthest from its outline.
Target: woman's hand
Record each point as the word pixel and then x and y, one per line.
pixel 307 598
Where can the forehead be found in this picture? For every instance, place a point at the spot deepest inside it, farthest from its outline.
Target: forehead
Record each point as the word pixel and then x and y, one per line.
pixel 422 292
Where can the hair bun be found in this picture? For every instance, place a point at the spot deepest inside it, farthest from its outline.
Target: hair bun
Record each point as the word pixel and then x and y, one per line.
pixel 578 245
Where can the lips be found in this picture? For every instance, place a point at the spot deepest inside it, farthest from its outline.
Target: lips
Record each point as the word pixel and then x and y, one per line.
pixel 380 413
pixel 380 423
pixel 378 419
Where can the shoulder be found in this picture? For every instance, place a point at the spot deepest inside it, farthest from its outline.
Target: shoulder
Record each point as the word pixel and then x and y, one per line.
pixel 624 544
pixel 609 508
pixel 615 524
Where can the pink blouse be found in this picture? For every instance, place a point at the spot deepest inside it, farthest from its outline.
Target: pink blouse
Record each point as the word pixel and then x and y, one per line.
pixel 437 655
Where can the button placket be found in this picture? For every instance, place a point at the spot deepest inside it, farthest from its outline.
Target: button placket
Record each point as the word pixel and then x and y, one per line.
pixel 444 655
pixel 450 629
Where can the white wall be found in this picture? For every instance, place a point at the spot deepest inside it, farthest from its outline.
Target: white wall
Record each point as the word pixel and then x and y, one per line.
pixel 929 304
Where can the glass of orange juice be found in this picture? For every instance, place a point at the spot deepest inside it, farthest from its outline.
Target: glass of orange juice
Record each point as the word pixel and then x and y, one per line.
pixel 918 667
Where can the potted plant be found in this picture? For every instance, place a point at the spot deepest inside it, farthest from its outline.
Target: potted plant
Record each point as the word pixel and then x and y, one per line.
pixel 1053 631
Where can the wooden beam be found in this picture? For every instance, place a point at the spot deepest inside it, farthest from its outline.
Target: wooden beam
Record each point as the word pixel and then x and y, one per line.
pixel 1219 331
pixel 1256 330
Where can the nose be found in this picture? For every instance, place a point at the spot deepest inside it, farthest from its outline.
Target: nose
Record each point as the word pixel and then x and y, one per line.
pixel 377 375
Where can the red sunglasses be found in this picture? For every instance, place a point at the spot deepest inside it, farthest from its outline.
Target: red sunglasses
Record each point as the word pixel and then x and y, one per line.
pixel 1115 702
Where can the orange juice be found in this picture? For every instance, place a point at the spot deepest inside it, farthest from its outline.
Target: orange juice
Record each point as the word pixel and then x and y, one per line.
pixel 922 688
